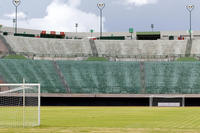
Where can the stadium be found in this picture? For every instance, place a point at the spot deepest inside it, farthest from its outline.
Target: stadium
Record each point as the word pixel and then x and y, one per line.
pixel 108 72
pixel 141 82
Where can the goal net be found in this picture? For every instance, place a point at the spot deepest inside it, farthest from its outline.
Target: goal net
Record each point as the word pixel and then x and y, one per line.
pixel 19 105
pixel 167 101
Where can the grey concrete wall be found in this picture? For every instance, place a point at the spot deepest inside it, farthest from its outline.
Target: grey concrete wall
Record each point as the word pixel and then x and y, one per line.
pixel 69 34
pixel 164 34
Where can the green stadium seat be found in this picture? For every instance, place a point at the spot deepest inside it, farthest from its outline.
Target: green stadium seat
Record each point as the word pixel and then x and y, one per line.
pixel 84 77
pixel 172 77
pixel 43 72
pixel 101 77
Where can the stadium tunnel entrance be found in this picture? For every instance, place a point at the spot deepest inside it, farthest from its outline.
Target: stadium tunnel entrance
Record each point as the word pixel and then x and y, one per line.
pixel 96 101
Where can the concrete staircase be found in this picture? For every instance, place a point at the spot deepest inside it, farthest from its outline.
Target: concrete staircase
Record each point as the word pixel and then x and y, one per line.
pixel 64 82
pixel 5 48
pixel 188 48
pixel 142 77
pixel 94 48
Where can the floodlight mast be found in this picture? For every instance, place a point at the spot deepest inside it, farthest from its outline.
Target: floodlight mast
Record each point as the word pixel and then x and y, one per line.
pixel 76 25
pixel 16 3
pixel 152 27
pixel 101 7
pixel 190 8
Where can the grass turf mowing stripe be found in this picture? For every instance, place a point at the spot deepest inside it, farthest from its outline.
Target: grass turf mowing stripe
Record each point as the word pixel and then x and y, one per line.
pixel 112 119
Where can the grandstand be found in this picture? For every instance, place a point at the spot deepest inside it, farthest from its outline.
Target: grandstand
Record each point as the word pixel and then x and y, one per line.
pixel 97 80
pixel 48 47
pixel 80 46
pixel 133 50
pixel 127 75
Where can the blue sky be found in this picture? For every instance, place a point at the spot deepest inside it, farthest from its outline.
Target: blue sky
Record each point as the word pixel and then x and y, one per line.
pixel 119 15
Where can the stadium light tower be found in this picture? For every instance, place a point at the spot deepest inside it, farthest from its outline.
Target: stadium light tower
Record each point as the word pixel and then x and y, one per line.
pixel 190 9
pixel 16 3
pixel 101 7
pixel 76 25
pixel 152 27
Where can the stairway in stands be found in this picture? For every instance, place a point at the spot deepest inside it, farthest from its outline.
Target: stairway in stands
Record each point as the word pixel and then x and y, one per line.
pixel 4 47
pixel 188 48
pixel 94 48
pixel 64 82
pixel 142 76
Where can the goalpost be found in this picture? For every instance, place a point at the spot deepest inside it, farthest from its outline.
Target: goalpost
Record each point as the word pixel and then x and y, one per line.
pixel 167 101
pixel 19 105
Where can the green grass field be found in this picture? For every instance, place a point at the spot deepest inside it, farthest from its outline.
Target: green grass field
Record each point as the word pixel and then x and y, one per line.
pixel 115 120
pixel 187 59
pixel 97 59
pixel 15 57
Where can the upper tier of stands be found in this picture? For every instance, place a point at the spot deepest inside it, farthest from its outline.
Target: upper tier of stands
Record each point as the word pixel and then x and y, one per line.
pixel 82 48
pixel 137 47
pixel 49 47
pixel 84 77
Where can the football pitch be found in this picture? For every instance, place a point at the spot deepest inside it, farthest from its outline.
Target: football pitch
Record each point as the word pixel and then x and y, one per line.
pixel 115 120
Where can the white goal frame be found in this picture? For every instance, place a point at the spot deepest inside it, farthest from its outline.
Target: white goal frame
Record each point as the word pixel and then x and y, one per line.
pixel 23 87
pixel 182 97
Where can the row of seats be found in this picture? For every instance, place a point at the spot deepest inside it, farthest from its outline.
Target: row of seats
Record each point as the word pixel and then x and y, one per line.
pixel 43 72
pixel 43 46
pixel 106 77
pixel 175 78
pixel 142 47
pixel 98 77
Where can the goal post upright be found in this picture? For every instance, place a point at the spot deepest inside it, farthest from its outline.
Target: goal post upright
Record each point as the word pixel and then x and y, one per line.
pixel 23 102
pixel 39 102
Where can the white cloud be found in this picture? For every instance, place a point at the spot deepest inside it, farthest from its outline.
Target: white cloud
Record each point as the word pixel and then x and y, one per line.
pixel 20 15
pixel 61 16
pixel 141 2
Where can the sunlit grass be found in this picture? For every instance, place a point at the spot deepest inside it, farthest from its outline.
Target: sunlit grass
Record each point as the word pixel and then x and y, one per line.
pixel 116 119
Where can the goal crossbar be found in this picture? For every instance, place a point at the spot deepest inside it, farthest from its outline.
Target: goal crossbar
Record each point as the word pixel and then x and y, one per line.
pixel 14 90
pixel 5 85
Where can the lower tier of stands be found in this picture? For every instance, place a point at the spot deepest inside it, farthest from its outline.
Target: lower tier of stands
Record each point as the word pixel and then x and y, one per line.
pixel 84 77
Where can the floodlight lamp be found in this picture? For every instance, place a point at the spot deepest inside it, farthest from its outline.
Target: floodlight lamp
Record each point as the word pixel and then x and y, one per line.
pixel 16 2
pixel 190 7
pixel 101 5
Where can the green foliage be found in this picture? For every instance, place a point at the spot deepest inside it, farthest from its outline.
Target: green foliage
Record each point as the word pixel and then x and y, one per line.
pixel 15 57
pixel 115 120
pixel 97 59
pixel 187 59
